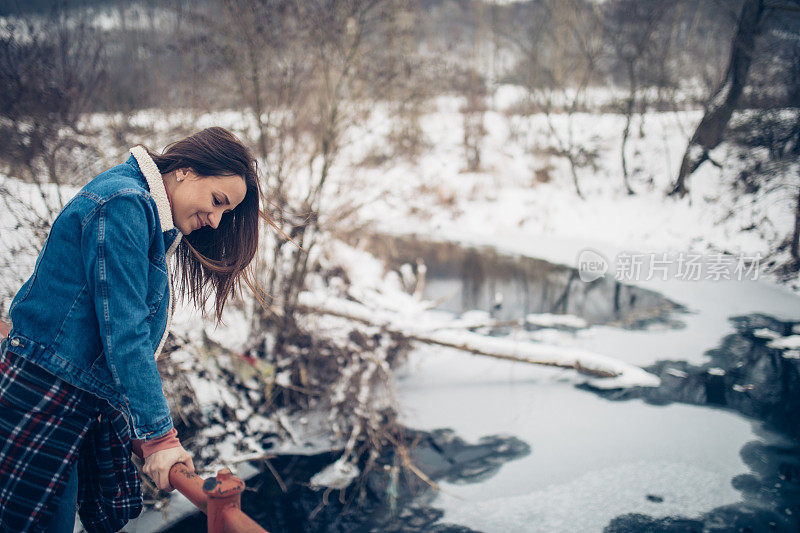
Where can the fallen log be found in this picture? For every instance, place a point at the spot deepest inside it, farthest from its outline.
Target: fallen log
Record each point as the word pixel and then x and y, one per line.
pixel 463 346
pixel 613 373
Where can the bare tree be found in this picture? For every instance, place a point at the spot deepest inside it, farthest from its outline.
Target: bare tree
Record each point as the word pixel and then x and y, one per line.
pixel 51 69
pixel 307 73
pixel 560 46
pixel 632 27
pixel 406 89
pixel 794 143
pixel 472 112
pixel 303 71
pixel 770 138
pixel 475 92
pixel 709 132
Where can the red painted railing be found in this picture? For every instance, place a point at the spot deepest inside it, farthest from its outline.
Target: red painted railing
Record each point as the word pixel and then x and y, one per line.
pixel 219 497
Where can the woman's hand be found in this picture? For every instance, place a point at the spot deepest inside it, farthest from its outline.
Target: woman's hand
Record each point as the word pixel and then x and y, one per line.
pixel 158 465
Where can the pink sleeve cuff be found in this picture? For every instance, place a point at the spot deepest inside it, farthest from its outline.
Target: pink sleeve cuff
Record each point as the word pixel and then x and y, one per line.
pixel 146 448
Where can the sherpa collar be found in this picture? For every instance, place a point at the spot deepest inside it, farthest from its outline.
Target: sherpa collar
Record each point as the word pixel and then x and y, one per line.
pixel 156 184
pixel 159 193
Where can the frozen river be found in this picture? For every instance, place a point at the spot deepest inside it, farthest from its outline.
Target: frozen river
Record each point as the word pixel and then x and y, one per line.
pixel 682 458
pixel 534 449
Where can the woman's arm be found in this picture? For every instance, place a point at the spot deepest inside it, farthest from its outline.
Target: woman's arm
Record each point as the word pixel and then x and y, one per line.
pixel 115 243
pixel 146 448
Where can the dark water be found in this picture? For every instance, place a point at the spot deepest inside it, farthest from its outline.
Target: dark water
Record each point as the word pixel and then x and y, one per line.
pixel 460 279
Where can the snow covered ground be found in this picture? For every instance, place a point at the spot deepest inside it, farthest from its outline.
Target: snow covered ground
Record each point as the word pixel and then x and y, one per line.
pixel 503 204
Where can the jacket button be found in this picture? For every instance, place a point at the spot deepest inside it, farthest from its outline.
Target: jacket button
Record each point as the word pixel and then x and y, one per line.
pixel 14 342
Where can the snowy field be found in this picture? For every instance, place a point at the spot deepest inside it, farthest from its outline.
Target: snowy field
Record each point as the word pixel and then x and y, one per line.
pixel 506 206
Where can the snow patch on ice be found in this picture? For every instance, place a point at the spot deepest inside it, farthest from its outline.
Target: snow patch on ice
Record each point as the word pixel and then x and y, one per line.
pixel 550 320
pixel 792 341
pixel 677 373
pixel 584 504
pixel 337 475
pixel 766 333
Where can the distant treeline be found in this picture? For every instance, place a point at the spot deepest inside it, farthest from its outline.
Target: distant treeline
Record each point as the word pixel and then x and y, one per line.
pixel 166 53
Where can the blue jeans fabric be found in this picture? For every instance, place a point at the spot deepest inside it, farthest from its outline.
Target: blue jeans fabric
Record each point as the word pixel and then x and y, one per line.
pixel 64 518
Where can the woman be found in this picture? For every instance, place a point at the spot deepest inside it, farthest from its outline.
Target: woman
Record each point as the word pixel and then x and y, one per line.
pixel 79 385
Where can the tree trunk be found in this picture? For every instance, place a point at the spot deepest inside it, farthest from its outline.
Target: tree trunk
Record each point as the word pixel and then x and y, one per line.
pixel 626 132
pixel 709 132
pixel 796 234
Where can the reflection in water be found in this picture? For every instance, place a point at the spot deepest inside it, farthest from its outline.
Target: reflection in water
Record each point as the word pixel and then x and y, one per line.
pixel 749 376
pixel 511 287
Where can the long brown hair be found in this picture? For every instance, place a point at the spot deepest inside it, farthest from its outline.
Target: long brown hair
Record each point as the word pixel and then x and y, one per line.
pixel 217 260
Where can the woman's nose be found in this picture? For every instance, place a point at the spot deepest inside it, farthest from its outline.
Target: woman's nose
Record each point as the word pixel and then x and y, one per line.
pixel 213 219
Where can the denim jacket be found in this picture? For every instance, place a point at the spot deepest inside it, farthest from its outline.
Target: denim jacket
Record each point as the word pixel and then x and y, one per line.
pixel 96 310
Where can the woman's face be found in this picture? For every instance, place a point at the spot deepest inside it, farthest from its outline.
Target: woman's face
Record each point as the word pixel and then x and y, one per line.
pixel 199 201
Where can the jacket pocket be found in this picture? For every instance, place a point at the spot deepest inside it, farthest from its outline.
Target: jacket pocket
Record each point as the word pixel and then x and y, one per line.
pixel 99 369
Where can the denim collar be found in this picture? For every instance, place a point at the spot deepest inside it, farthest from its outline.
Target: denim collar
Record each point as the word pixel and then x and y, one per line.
pixel 156 185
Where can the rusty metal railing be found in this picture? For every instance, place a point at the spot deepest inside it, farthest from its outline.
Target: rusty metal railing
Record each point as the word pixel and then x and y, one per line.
pixel 220 498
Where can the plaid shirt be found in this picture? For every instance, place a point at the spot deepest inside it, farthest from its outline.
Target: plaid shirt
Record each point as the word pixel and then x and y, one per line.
pixel 45 425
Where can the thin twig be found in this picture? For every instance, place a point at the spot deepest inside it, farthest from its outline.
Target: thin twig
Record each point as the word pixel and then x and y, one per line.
pixel 277 476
